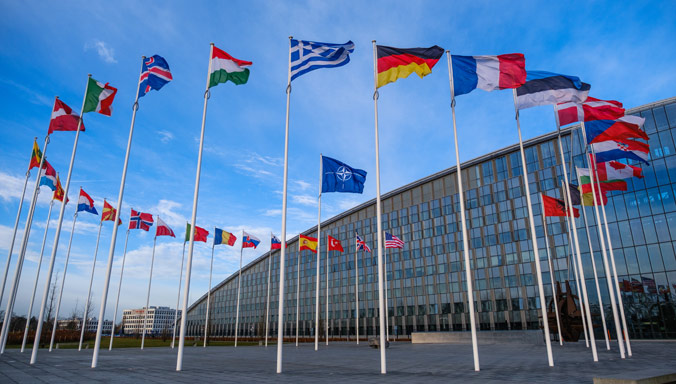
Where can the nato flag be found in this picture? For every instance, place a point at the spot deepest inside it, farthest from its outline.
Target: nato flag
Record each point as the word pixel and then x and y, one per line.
pixel 340 177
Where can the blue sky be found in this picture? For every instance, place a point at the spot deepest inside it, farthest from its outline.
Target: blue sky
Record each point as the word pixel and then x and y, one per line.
pixel 624 50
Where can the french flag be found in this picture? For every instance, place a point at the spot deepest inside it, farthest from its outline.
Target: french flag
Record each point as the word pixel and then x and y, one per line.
pixel 487 72
pixel 627 127
pixel 616 150
pixel 85 203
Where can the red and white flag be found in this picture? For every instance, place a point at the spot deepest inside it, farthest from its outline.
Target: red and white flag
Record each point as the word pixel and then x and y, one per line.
pixel 63 118
pixel 334 244
pixel 592 109
pixel 163 229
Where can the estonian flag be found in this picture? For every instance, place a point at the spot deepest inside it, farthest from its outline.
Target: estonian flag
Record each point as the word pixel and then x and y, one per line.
pixel 542 88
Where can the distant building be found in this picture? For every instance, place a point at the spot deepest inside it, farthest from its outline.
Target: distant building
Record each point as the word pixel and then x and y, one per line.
pixel 75 323
pixel 160 319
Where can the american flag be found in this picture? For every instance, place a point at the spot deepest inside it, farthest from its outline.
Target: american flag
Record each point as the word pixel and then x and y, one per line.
pixel 392 241
pixel 361 245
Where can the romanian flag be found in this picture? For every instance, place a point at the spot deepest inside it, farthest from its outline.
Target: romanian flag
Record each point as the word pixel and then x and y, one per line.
pixel 108 213
pixel 35 156
pixel 223 237
pixel 307 243
pixel 398 63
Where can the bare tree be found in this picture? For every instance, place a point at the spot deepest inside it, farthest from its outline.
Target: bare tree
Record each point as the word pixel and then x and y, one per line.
pixel 90 309
pixel 52 293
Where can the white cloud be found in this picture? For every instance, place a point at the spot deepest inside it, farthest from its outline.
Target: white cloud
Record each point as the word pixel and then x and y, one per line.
pixel 305 200
pixel 10 187
pixel 165 136
pixel 303 185
pixel 106 53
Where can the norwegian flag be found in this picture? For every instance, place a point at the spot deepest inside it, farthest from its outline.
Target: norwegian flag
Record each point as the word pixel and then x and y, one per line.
pixel 140 220
pixel 361 244
pixel 155 74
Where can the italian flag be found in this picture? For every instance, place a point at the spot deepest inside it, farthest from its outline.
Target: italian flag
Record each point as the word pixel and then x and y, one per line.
pixel 225 67
pixel 99 97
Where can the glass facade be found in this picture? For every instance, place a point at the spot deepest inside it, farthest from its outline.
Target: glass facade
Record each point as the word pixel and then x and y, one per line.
pixel 426 284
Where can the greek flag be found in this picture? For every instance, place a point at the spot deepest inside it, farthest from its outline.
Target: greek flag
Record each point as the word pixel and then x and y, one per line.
pixel 307 56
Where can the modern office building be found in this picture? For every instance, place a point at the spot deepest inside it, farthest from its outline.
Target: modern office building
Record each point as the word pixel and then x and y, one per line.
pixel 426 281
pixel 160 320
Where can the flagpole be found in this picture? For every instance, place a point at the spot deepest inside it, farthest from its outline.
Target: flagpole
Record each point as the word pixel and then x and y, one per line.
pixel 298 262
pixel 551 268
pixel 356 292
pixel 91 280
pixel 536 252
pixel 63 282
pixel 119 287
pixel 326 266
pixel 387 306
pixel 239 288
pixel 178 298
pixel 37 276
pixel 150 280
pixel 211 268
pixel 267 305
pixel 465 241
pixel 319 241
pixel 186 297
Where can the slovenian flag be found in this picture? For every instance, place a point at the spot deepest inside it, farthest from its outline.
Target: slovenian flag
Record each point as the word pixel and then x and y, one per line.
pixel 85 203
pixel 616 150
pixel 275 243
pixel 487 72
pixel 48 176
pixel 249 241
pixel 542 88
pixel 624 128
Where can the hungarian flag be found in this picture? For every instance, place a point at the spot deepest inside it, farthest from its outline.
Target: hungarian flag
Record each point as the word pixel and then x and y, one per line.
pixel 99 98
pixel 200 233
pixel 36 155
pixel 275 243
pixel 108 213
pixel 334 244
pixel 85 203
pixel 556 207
pixel 224 67
pixel 627 127
pixel 592 109
pixel 249 241
pixel 399 63
pixel 224 237
pixel 58 191
pixel 140 220
pixel 63 118
pixel 307 243
pixel 163 229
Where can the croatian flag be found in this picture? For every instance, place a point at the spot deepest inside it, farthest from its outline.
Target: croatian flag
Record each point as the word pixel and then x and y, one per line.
pixel 627 127
pixel 542 88
pixel 155 74
pixel 592 109
pixel 85 203
pixel 275 243
pixel 48 176
pixel 487 72
pixel 615 150
pixel 249 241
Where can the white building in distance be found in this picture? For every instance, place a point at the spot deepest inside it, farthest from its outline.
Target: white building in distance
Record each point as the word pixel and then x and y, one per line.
pixel 160 319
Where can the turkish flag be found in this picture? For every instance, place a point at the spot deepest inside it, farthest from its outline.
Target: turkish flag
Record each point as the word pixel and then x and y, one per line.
pixel 334 244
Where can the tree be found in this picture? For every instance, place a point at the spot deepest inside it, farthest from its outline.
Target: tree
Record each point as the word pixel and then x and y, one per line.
pixel 52 292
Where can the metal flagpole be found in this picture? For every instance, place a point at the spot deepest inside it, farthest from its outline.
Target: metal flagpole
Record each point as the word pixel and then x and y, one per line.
pixel 63 282
pixel 267 306
pixel 91 280
pixel 319 241
pixel 37 277
pixel 55 246
pixel 387 306
pixel 381 296
pixel 178 297
pixel 119 289
pixel 551 269
pixel 356 292
pixel 326 266
pixel 465 241
pixel 536 252
pixel 186 297
pixel 150 280
pixel 280 315
pixel 206 320
pixel 239 288
pixel 111 251
pixel 298 262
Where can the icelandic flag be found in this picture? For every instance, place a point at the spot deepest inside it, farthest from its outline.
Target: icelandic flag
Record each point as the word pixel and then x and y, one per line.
pixel 542 88
pixel 627 127
pixel 48 176
pixel 340 177
pixel 307 56
pixel 627 149
pixel 275 243
pixel 487 72
pixel 249 241
pixel 155 74
pixel 85 203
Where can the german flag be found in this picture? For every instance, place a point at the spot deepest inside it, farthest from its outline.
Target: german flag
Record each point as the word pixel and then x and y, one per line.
pixel 398 63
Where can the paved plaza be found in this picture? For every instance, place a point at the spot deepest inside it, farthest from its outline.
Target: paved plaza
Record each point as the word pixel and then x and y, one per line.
pixel 340 362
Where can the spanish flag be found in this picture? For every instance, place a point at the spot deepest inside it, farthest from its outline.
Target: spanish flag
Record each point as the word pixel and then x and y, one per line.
pixel 307 243
pixel 36 156
pixel 398 63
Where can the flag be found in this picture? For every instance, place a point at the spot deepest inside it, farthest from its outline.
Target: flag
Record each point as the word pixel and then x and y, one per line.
pixel 48 175
pixel 307 243
pixel 340 177
pixel 399 63
pixel 636 286
pixel 36 155
pixel 649 284
pixel 163 229
pixel 99 98
pixel 223 237
pixel 249 241
pixel 275 243
pixel 307 56
pixel 592 109
pixel 556 207
pixel 108 213
pixel 58 191
pixel 626 149
pixel 587 199
pixel 627 127
pixel 614 170
pixel 606 186
pixel 542 88
pixel 154 75
pixel 200 233
pixel 392 241
pixel 64 118
pixel 361 245
pixel 574 194
pixel 487 72
pixel 85 203
pixel 225 67
pixel 334 244
pixel 140 220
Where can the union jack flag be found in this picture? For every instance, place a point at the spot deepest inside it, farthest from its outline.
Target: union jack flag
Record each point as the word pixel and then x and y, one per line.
pixel 140 220
pixel 155 74
pixel 392 241
pixel 361 245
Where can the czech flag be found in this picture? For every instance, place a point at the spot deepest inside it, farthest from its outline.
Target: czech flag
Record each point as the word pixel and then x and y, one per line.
pixel 487 72
pixel 85 203
pixel 627 127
